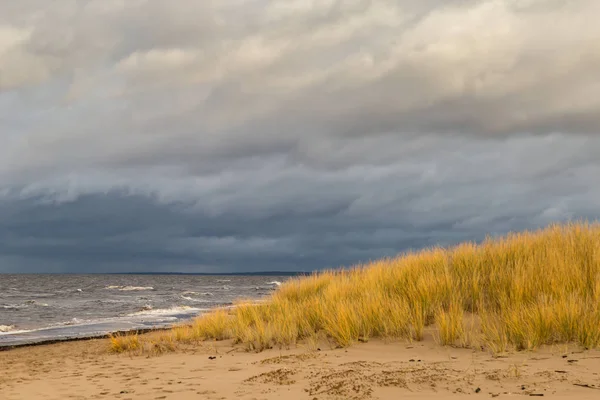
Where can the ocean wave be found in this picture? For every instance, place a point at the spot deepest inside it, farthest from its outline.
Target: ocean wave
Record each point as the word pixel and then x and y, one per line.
pixel 165 311
pixel 195 300
pixel 129 288
pixel 24 305
pixel 13 306
pixel 277 283
pixel 190 293
pixel 6 328
pixel 13 331
pixel 32 295
pixel 109 301
pixel 74 321
pixel 36 303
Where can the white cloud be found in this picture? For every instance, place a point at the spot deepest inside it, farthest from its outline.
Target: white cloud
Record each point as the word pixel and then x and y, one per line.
pixel 11 37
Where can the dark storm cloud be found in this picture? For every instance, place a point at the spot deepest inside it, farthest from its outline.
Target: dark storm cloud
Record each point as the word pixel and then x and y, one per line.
pixel 280 215
pixel 246 135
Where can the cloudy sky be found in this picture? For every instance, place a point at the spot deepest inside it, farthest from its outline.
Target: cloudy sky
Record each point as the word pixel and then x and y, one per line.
pixel 245 135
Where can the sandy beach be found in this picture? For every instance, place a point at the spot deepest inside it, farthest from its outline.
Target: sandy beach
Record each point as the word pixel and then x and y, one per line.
pixel 374 370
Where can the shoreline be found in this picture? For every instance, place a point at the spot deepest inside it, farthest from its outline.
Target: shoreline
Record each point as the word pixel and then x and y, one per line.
pixel 43 342
pixel 141 331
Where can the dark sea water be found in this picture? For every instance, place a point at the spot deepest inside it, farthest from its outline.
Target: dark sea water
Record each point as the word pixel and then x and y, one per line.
pixel 36 308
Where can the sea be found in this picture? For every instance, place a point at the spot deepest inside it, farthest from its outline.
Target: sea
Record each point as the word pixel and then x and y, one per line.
pixel 42 308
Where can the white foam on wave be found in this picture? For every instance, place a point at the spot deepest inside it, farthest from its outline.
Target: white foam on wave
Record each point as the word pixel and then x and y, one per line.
pixel 277 283
pixel 14 332
pixel 190 293
pixel 165 311
pixel 195 300
pixel 13 306
pixel 129 288
pixel 74 321
pixel 89 328
pixel 6 328
pixel 24 305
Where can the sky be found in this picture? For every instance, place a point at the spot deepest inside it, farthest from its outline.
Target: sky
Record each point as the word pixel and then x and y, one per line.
pixel 254 135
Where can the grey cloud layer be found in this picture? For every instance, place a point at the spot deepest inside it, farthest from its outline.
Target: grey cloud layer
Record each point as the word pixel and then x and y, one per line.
pixel 260 134
pixel 277 215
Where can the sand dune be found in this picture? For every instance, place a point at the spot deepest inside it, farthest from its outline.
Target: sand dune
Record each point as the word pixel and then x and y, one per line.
pixel 375 370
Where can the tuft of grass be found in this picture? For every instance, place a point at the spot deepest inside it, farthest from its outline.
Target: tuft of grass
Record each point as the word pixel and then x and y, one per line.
pixel 494 333
pixel 520 291
pixel 122 342
pixel 450 323
pixel 215 325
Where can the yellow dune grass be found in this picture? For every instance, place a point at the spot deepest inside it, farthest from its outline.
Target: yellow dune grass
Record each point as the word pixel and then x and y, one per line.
pixel 517 292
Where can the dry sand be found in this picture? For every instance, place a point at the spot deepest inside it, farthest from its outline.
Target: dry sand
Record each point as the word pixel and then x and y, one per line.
pixel 375 370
